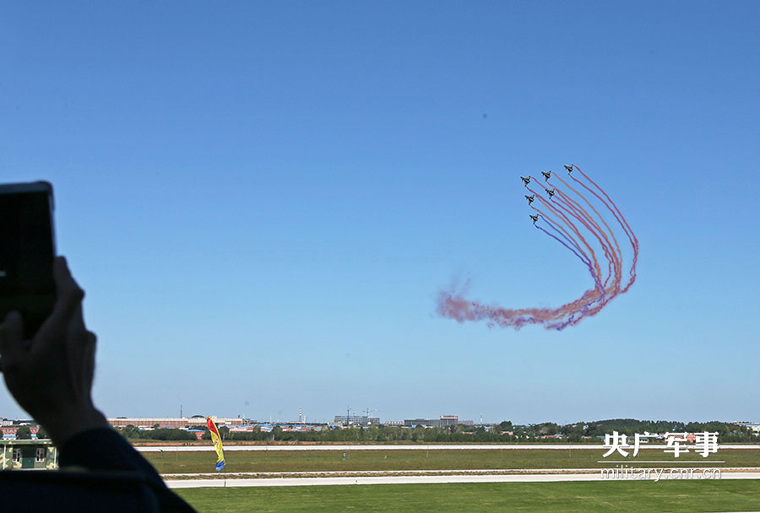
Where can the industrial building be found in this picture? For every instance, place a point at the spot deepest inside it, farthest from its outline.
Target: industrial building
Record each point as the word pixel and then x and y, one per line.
pixel 356 420
pixel 194 422
pixel 442 421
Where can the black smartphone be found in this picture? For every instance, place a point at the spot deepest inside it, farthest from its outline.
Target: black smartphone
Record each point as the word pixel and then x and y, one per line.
pixel 27 250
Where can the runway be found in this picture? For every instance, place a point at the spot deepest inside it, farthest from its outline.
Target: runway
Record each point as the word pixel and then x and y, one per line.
pixel 417 479
pixel 412 476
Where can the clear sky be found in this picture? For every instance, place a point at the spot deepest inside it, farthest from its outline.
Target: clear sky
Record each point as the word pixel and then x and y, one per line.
pixel 263 199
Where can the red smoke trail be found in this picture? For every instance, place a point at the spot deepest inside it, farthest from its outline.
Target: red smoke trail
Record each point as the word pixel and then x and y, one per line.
pixel 555 205
pixel 613 256
pixel 574 218
pixel 560 227
pixel 575 311
pixel 570 225
pixel 567 204
pixel 616 212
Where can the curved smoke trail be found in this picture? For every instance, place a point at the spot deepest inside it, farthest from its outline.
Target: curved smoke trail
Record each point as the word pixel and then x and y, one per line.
pixel 570 218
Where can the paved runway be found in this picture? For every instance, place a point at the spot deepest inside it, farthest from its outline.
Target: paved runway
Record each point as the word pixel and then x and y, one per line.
pixel 366 478
pixel 494 478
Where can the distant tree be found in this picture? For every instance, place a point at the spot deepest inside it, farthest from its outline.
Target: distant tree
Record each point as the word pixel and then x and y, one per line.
pixel 547 428
pixel 130 432
pixel 42 434
pixel 24 433
pixel 573 432
pixel 170 434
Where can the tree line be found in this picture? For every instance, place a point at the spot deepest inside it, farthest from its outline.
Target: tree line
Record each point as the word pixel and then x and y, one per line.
pixel 504 432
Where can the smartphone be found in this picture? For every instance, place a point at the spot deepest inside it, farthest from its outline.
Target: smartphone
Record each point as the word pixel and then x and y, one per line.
pixel 27 250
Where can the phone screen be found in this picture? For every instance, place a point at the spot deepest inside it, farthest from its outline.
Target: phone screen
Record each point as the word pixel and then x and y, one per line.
pixel 27 250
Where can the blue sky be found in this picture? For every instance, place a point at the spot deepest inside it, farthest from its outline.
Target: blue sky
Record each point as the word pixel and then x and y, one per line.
pixel 262 201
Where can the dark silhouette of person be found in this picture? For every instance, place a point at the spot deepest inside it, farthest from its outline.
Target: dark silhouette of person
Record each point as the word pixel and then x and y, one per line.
pixel 50 376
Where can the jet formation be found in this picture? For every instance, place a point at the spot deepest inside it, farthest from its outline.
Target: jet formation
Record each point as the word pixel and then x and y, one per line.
pixel 550 192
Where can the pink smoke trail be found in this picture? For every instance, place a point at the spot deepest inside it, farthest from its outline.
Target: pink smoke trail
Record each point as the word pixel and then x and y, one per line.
pixel 572 220
pixel 623 223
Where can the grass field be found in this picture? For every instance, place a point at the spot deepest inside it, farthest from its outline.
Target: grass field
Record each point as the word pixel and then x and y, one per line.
pixel 313 461
pixel 674 496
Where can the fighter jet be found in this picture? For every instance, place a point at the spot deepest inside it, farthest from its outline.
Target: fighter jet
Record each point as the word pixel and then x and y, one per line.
pixel 530 198
pixel 535 218
pixel 547 175
pixel 569 168
pixel 550 192
pixel 526 180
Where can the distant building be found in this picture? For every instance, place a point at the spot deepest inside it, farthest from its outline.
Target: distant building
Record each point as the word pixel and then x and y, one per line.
pixel 182 422
pixel 356 420
pixel 9 432
pixel 300 427
pixel 31 454
pixel 448 420
pixel 754 426
pixel 442 421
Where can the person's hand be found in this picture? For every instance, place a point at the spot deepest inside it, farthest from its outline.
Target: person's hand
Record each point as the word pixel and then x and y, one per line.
pixel 51 375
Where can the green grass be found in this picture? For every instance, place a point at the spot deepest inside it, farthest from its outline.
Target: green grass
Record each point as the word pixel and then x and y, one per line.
pixel 683 496
pixel 313 461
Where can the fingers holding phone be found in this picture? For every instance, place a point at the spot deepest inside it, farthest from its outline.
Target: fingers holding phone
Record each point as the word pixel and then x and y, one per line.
pixel 51 375
pixel 47 356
